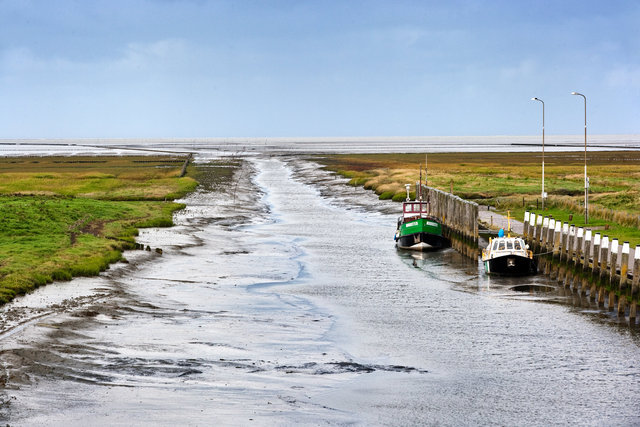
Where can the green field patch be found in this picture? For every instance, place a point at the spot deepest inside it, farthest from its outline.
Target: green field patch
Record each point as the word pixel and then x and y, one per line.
pixel 67 217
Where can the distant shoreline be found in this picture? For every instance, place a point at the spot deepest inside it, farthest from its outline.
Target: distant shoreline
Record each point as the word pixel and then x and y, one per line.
pixel 317 145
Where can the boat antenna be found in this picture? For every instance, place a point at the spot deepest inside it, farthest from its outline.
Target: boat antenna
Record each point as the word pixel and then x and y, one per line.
pixel 420 184
pixel 425 169
pixel 508 223
pixel 408 187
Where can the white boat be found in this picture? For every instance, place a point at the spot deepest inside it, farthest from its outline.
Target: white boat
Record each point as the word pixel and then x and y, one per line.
pixel 509 256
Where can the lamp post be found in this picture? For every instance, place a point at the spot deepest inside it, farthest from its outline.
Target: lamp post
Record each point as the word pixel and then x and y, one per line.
pixel 543 193
pixel 586 179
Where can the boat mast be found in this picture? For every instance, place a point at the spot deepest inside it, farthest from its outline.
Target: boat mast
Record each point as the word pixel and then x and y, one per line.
pixel 425 184
pixel 420 184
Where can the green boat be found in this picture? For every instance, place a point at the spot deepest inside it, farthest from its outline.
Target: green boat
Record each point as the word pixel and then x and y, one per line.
pixel 418 230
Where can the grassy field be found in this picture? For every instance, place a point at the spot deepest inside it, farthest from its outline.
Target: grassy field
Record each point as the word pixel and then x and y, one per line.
pixel 512 181
pixel 72 216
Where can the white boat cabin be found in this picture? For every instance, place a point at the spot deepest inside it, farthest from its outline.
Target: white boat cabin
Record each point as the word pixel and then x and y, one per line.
pixel 501 246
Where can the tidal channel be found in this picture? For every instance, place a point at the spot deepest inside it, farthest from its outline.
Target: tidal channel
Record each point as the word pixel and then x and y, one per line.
pixel 281 300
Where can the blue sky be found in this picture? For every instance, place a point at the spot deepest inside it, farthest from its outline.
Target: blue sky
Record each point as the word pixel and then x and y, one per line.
pixel 131 68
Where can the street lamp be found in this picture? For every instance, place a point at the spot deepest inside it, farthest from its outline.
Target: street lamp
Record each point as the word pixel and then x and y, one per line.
pixel 543 193
pixel 586 179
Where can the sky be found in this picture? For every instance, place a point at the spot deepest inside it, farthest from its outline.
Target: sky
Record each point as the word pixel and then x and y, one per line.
pixel 245 68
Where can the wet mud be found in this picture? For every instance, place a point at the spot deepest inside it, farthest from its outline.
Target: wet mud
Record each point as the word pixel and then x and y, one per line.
pixel 279 299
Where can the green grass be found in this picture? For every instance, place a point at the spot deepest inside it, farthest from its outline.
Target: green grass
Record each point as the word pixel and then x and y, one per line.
pixel 68 217
pixel 503 180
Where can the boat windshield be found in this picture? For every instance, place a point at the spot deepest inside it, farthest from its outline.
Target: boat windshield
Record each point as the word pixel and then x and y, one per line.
pixel 517 245
pixel 415 208
pixel 501 245
pixel 495 246
pixel 509 244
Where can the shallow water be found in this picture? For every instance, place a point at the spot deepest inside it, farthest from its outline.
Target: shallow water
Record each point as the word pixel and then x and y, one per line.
pixel 287 304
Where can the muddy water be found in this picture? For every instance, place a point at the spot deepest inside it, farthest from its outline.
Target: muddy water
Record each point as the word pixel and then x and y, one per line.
pixel 285 303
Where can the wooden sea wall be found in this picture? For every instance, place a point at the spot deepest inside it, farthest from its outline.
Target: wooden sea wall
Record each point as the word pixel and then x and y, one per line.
pixel 459 219
pixel 595 266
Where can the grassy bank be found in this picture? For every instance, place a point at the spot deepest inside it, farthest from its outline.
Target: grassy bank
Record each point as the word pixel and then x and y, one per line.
pixel 65 217
pixel 512 181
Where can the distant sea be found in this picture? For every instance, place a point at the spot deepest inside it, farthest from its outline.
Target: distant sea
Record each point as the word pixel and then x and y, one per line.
pixel 306 145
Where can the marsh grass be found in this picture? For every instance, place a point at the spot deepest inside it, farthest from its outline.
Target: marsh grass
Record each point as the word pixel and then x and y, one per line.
pixel 67 217
pixel 512 181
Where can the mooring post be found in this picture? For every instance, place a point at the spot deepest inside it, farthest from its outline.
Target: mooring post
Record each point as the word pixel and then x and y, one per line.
pixel 587 249
pixel 635 286
pixel 612 275
pixel 571 243
pixel 614 263
pixel 538 232
pixel 624 268
pixel 545 232
pixel 563 244
pixel 552 228
pixel 579 245
pixel 555 256
pixel 557 239
pixel 595 267
pixel 604 257
pixel 603 276
pixel 622 284
pixel 585 259
pixel 532 221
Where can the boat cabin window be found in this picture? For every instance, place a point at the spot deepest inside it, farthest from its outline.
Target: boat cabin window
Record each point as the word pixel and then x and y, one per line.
pixel 517 245
pixel 417 208
pixel 495 245
pixel 509 244
pixel 501 246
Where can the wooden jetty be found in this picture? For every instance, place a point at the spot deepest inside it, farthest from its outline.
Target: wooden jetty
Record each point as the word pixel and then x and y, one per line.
pixel 459 219
pixel 594 266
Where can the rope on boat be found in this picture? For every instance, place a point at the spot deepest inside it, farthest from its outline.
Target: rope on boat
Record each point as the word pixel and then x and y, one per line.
pixel 543 253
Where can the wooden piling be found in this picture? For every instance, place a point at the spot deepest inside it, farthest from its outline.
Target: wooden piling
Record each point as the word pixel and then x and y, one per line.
pixel 563 242
pixel 545 233
pixel 604 257
pixel 183 171
pixel 586 256
pixel 552 227
pixel 624 268
pixel 525 228
pixel 579 246
pixel 635 286
pixel 571 243
pixel 587 249
pixel 613 275
pixel 622 283
pixel 538 231
pixel 595 267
